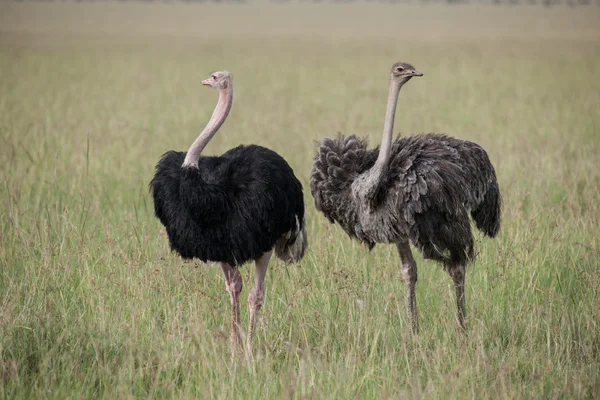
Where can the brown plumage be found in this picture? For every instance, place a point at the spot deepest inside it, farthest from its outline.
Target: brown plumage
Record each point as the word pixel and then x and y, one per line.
pixel 419 189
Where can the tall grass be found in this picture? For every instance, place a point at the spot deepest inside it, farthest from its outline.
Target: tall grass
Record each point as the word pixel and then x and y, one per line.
pixel 92 302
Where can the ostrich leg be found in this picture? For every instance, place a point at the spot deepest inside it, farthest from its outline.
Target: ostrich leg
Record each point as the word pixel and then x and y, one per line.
pixel 257 296
pixel 457 273
pixel 233 285
pixel 409 275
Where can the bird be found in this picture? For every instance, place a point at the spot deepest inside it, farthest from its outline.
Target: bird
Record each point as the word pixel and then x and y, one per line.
pixel 418 189
pixel 241 206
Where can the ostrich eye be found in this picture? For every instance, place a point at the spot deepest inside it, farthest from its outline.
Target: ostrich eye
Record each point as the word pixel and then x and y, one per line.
pixel 400 69
pixel 214 77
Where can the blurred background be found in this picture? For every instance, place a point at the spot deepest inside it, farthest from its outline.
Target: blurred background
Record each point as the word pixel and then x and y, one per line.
pixel 92 93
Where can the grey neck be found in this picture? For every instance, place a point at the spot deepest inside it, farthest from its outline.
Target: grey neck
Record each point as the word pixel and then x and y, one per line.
pixel 368 186
pixel 218 117
pixel 388 126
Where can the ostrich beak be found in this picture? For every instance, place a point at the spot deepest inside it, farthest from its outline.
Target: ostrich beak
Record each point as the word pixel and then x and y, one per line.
pixel 206 82
pixel 416 73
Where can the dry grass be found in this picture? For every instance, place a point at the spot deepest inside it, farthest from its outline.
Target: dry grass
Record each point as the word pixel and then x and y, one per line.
pixel 93 304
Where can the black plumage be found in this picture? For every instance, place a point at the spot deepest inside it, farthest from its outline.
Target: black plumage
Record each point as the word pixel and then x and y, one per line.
pixel 240 206
pixel 231 208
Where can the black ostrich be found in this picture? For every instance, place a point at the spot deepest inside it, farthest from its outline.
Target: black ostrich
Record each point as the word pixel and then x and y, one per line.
pixel 418 189
pixel 231 209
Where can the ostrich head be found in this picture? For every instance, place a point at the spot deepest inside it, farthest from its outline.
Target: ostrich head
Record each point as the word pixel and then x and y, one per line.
pixel 366 186
pixel 403 72
pixel 219 80
pixel 223 82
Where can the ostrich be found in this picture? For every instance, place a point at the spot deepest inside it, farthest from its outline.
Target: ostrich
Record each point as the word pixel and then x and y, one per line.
pixel 418 189
pixel 233 208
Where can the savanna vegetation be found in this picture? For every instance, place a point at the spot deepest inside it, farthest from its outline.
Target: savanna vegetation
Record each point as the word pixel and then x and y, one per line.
pixel 94 305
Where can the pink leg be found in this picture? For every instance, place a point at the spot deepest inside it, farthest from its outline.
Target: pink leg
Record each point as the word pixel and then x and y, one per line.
pixel 233 285
pixel 257 295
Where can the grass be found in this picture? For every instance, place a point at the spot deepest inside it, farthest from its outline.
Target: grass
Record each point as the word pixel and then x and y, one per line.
pixel 93 304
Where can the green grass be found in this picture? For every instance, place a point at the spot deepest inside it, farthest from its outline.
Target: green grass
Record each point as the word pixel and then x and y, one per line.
pixel 93 304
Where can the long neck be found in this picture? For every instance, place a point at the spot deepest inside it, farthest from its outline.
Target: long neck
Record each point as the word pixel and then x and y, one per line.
pixel 218 117
pixel 368 186
pixel 388 126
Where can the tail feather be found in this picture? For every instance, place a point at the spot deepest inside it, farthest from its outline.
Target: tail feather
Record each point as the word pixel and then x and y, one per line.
pixel 487 216
pixel 291 247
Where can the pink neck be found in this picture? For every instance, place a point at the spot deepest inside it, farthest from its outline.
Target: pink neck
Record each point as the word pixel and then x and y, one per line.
pixel 218 117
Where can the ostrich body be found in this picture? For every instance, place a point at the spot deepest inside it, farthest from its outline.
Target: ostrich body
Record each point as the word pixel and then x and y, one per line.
pixel 237 207
pixel 418 189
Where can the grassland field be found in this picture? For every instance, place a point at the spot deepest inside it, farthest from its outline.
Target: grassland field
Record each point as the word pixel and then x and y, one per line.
pixel 94 305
